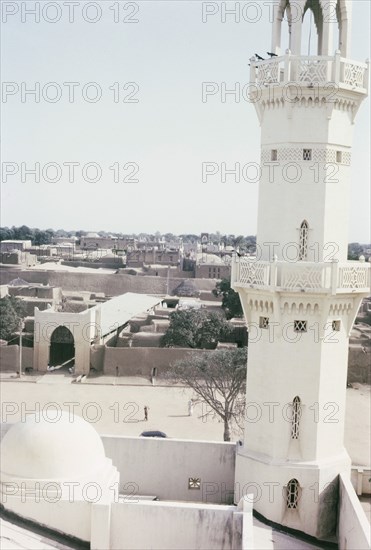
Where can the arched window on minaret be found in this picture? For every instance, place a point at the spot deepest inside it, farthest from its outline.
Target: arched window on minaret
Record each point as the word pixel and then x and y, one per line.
pixel 296 415
pixel 282 27
pixel 312 27
pixel 309 31
pixel 292 494
pixel 303 241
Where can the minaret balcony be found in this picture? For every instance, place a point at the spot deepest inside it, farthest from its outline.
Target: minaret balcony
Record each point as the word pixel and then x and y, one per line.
pixel 310 72
pixel 312 277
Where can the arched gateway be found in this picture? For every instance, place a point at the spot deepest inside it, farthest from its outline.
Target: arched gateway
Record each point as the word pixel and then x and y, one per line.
pixel 62 346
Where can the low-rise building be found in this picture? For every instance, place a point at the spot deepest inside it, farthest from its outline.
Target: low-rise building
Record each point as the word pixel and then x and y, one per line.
pixel 152 256
pixel 35 295
pixel 18 257
pixel 43 250
pixel 93 241
pixel 210 266
pixel 10 245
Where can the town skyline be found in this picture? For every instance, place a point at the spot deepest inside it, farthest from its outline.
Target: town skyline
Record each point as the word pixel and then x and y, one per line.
pixel 156 149
pixel 189 233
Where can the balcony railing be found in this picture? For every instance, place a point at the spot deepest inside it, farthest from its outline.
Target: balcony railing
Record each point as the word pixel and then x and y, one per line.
pixel 311 71
pixel 326 277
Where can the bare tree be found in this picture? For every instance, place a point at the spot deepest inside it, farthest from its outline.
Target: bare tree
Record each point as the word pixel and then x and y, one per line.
pixel 219 380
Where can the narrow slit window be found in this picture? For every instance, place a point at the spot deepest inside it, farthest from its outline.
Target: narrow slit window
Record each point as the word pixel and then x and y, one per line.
pixel 303 241
pixel 296 415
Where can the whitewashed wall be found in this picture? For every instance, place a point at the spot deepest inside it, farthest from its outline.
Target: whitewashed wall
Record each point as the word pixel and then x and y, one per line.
pixel 172 526
pixel 162 467
pixel 354 528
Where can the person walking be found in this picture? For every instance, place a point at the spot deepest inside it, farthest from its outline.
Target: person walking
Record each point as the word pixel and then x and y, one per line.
pixel 146 409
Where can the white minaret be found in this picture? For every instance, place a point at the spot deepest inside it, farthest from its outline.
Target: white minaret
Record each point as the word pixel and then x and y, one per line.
pixel 300 295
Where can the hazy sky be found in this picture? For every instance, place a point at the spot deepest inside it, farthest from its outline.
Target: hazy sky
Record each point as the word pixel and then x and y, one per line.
pixel 157 129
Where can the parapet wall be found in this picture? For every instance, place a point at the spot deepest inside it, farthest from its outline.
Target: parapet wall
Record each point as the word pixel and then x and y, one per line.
pixel 361 480
pixel 142 361
pixel 353 525
pixel 177 526
pixel 9 358
pixel 163 467
pixel 112 284
pixel 106 263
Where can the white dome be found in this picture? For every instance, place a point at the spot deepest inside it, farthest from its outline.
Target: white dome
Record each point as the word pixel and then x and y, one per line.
pixel 50 446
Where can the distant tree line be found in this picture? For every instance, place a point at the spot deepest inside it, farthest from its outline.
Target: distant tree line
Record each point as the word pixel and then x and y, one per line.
pixel 37 236
pixel 25 233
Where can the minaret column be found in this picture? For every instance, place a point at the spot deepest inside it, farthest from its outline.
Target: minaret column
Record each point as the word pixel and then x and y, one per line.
pixel 296 29
pixel 278 16
pixel 329 20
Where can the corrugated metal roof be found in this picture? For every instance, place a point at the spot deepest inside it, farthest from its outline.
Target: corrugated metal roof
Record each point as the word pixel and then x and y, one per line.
pixel 120 310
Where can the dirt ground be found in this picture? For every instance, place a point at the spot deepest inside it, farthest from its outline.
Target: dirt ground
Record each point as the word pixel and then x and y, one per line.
pixel 115 408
